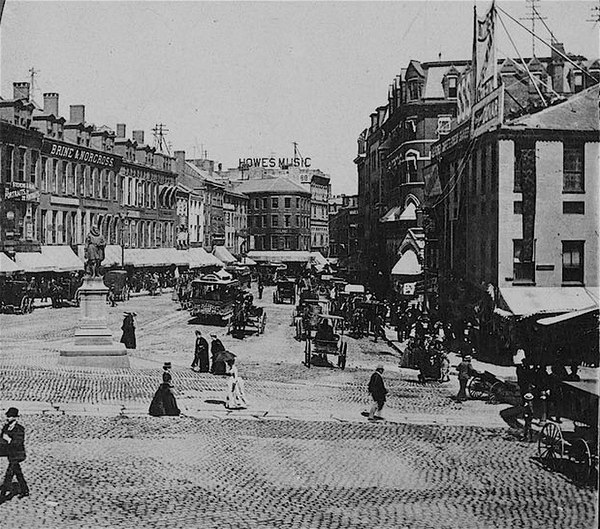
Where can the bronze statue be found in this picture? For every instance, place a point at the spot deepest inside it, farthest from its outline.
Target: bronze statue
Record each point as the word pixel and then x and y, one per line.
pixel 94 252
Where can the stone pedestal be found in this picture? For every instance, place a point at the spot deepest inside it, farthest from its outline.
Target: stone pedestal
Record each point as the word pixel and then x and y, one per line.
pixel 93 345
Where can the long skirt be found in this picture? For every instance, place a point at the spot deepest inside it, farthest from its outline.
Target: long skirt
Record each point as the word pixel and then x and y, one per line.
pixel 236 399
pixel 164 402
pixel 128 338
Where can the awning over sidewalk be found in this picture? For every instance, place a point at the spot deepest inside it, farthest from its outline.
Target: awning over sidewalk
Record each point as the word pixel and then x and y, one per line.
pixel 7 265
pixel 527 301
pixel 144 257
pixel 279 256
pixel 199 257
pixel 63 257
pixel 223 254
pixel 112 255
pixel 246 261
pixel 34 262
pixel 568 317
pixel 407 265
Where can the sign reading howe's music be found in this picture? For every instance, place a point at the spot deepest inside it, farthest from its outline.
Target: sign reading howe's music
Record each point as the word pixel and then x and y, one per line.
pixel 271 162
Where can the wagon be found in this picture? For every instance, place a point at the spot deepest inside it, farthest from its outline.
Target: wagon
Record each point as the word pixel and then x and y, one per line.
pixel 285 291
pixel 329 339
pixel 248 317
pixel 305 315
pixel 15 297
pixel 579 444
pixel 116 281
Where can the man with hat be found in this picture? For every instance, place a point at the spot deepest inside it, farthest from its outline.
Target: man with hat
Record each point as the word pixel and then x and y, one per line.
pixel 13 441
pixel 378 392
pixel 465 372
pixel 200 353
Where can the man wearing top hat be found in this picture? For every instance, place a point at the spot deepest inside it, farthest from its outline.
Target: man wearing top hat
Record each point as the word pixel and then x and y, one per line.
pixel 13 440
pixel 200 353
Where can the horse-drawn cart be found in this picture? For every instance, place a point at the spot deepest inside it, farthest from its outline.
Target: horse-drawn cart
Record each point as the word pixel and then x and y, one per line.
pixel 329 339
pixel 576 440
pixel 247 316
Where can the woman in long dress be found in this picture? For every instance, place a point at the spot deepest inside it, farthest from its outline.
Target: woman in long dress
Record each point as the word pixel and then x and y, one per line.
pixel 164 402
pixel 236 399
pixel 128 329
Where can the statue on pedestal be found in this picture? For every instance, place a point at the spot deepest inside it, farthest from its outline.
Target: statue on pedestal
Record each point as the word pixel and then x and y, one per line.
pixel 94 252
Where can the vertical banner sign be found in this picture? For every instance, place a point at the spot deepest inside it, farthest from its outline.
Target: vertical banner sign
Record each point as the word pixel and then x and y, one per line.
pixel 485 50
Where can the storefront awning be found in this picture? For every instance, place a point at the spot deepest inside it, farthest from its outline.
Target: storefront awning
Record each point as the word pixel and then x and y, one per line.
pixel 63 257
pixel 112 255
pixel 246 261
pixel 223 254
pixel 407 265
pixel 527 301
pixel 7 265
pixel 34 262
pixel 199 257
pixel 568 317
pixel 280 256
pixel 318 259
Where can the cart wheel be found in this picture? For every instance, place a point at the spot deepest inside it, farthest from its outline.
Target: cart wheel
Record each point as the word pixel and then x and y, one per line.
pixel 478 389
pixel 307 353
pixel 497 392
pixel 24 306
pixel 581 456
pixel 551 445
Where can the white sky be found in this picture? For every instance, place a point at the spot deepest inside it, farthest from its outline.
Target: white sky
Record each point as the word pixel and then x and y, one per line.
pixel 246 79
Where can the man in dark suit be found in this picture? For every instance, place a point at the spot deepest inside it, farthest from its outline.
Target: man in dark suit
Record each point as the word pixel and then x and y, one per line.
pixel 12 439
pixel 200 354
pixel 378 392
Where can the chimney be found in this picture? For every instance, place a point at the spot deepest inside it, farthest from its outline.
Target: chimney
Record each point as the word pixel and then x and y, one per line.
pixel 138 135
pixel 381 115
pixel 558 68
pixel 51 104
pixel 121 130
pixel 77 113
pixel 373 121
pixel 21 91
pixel 179 161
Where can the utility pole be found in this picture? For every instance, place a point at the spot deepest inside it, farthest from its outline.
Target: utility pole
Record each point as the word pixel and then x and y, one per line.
pixel 160 142
pixel 533 16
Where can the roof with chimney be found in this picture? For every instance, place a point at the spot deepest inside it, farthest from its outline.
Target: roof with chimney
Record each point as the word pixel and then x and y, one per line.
pixel 579 112
pixel 279 185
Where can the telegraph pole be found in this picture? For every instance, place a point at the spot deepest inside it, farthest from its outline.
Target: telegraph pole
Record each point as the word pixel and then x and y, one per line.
pixel 533 16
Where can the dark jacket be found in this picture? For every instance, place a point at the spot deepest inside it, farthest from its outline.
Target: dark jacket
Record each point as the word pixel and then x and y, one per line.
pixel 465 370
pixel 377 387
pixel 201 345
pixel 15 450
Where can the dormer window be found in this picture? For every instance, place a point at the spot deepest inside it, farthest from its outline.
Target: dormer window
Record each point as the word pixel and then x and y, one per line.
pixel 452 87
pixel 414 89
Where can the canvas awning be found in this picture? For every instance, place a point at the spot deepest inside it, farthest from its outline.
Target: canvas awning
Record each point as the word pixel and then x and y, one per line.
pixel 223 254
pixel 318 259
pixel 246 261
pixel 34 262
pixel 407 265
pixel 63 257
pixel 199 257
pixel 112 255
pixel 569 316
pixel 7 265
pixel 280 256
pixel 527 301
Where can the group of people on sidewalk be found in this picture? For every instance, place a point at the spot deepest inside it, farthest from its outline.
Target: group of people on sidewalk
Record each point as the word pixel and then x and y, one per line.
pixel 222 362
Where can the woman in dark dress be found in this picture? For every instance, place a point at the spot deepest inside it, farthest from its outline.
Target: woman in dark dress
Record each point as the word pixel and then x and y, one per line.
pixel 128 328
pixel 164 402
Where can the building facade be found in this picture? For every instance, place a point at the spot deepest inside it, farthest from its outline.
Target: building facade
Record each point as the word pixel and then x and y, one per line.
pixel 278 214
pixel 343 230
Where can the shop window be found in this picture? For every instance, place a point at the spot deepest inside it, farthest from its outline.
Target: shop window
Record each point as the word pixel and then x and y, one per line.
pixel 573 177
pixel 572 261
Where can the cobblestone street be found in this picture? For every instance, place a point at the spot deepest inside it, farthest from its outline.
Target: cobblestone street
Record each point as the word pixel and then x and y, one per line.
pixel 301 455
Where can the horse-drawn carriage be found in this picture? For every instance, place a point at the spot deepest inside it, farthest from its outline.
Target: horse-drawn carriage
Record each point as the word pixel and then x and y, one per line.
pixel 247 316
pixel 15 296
pixel 285 291
pixel 328 339
pixel 577 438
pixel 305 315
pixel 116 281
pixel 213 298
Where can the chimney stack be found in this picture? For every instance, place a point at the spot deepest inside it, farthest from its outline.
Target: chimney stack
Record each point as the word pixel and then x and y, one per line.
pixel 121 130
pixel 77 113
pixel 51 104
pixel 179 161
pixel 558 68
pixel 21 91
pixel 138 135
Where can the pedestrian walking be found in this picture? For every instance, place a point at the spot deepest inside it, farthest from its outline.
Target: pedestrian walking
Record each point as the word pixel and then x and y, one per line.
pixel 236 398
pixel 261 287
pixel 164 402
pixel 12 444
pixel 378 393
pixel 217 367
pixel 378 327
pixel 444 367
pixel 128 328
pixel 200 362
pixel 465 372
pixel 528 417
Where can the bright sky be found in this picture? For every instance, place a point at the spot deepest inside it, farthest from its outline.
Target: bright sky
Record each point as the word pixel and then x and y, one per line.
pixel 246 79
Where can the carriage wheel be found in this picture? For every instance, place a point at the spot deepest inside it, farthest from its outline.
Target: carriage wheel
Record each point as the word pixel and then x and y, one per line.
pixel 24 306
pixel 497 392
pixel 307 353
pixel 551 445
pixel 478 389
pixel 581 456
